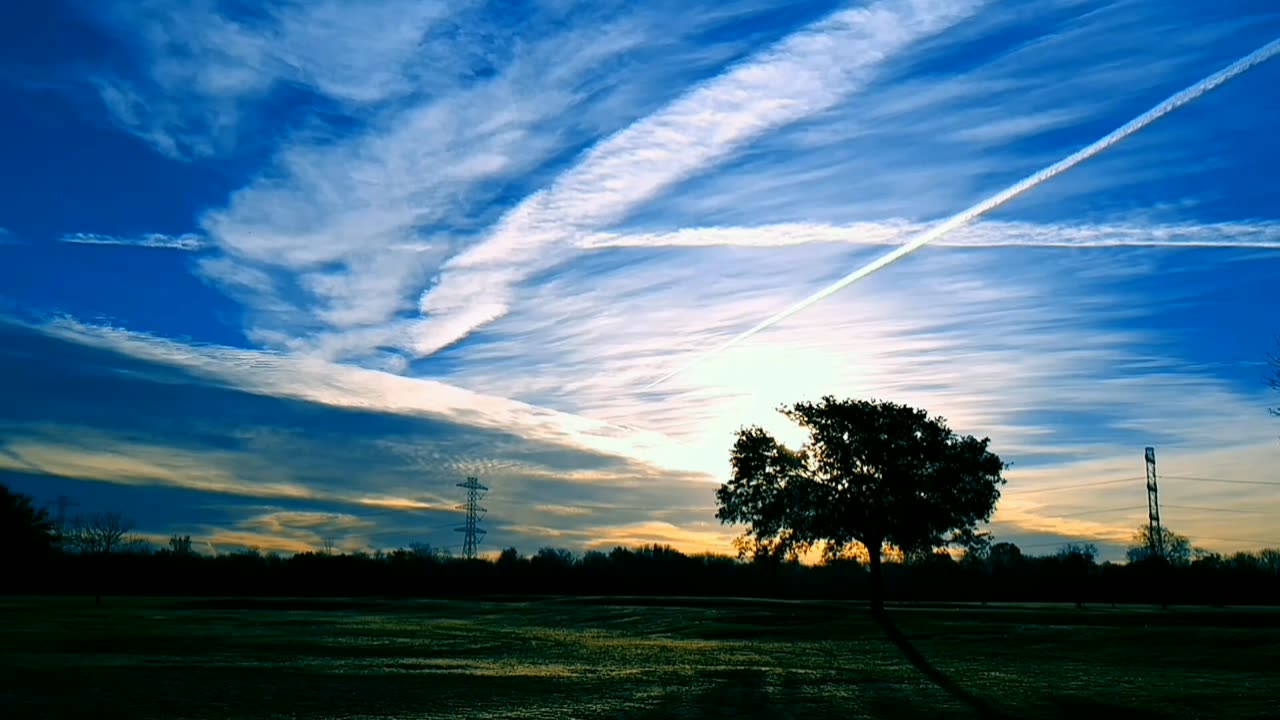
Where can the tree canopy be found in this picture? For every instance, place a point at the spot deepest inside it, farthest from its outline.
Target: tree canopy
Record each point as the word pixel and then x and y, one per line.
pixel 25 530
pixel 870 474
pixel 1167 545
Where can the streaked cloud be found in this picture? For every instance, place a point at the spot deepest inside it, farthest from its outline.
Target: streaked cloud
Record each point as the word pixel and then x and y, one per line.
pixel 924 144
pixel 806 73
pixel 315 247
pixel 188 242
pixel 989 234
pixel 1041 362
pixel 343 386
pixel 206 68
pixel 393 469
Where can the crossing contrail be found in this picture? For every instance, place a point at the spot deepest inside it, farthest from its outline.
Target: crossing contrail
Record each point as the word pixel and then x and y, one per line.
pixel 1191 93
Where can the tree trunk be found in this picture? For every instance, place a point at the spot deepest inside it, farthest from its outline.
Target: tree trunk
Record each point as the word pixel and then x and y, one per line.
pixel 877 583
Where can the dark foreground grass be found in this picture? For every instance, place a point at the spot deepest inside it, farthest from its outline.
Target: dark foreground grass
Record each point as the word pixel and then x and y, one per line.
pixel 627 659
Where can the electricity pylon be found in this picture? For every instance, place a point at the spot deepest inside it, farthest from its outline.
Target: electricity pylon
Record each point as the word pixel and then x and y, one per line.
pixel 472 532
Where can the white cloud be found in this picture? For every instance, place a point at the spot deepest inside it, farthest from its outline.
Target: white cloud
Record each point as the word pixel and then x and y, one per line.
pixel 334 243
pixel 189 242
pixel 312 380
pixel 1039 360
pixel 987 234
pixel 922 145
pixel 205 67
pixel 804 74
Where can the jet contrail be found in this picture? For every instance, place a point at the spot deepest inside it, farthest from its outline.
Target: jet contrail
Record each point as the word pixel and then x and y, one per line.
pixel 1239 67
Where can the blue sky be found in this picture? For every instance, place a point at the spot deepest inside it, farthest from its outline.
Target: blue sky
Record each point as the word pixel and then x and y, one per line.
pixel 276 272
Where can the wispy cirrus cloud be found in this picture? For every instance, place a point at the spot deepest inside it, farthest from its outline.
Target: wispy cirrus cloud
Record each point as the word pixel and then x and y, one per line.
pixel 189 242
pixel 233 457
pixel 343 386
pixel 205 68
pixel 804 74
pixel 1061 362
pixel 317 248
pixel 921 144
pixel 989 234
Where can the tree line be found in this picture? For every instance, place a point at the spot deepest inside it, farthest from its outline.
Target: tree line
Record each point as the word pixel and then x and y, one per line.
pixel 1000 573
pixel 876 485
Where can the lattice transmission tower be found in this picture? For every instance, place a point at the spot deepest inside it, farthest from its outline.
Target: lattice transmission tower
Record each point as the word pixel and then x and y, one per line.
pixel 60 517
pixel 471 530
pixel 1153 506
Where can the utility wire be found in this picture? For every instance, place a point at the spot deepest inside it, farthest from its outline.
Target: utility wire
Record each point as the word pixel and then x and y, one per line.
pixel 1017 492
pixel 1096 512
pixel 1212 509
pixel 1020 493
pixel 1263 543
pixel 1221 480
pixel 1060 543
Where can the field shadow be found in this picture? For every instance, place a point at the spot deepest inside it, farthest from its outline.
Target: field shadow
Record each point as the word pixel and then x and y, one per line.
pixel 736 694
pixel 1070 706
pixel 980 707
pixel 1053 707
pixel 745 695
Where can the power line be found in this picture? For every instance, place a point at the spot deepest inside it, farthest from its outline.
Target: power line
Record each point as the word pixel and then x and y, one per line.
pixel 1271 543
pixel 1058 543
pixel 1096 512
pixel 1215 509
pixel 1065 541
pixel 1018 492
pixel 1223 480
pixel 1076 486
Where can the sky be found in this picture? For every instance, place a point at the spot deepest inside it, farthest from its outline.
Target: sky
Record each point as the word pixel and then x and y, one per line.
pixel 276 273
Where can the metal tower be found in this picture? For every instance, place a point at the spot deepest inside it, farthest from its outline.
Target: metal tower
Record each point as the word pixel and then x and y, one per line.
pixel 1153 506
pixel 60 518
pixel 471 530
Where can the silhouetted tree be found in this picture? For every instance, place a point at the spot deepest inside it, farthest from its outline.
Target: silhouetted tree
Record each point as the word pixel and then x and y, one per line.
pixel 1269 561
pixel 101 533
pixel 1168 546
pixel 1076 561
pixel 1004 556
pixel 25 530
pixel 1084 553
pixel 180 545
pixel 549 557
pixel 872 473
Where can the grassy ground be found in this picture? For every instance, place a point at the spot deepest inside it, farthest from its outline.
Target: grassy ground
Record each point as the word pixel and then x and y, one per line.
pixel 635 660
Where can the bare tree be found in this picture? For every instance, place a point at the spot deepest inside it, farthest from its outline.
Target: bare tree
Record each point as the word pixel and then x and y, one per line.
pixel 328 544
pixel 101 534
pixel 1165 545
pixel 180 545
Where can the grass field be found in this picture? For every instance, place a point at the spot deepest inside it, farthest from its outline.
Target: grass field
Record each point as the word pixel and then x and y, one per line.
pixel 634 659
